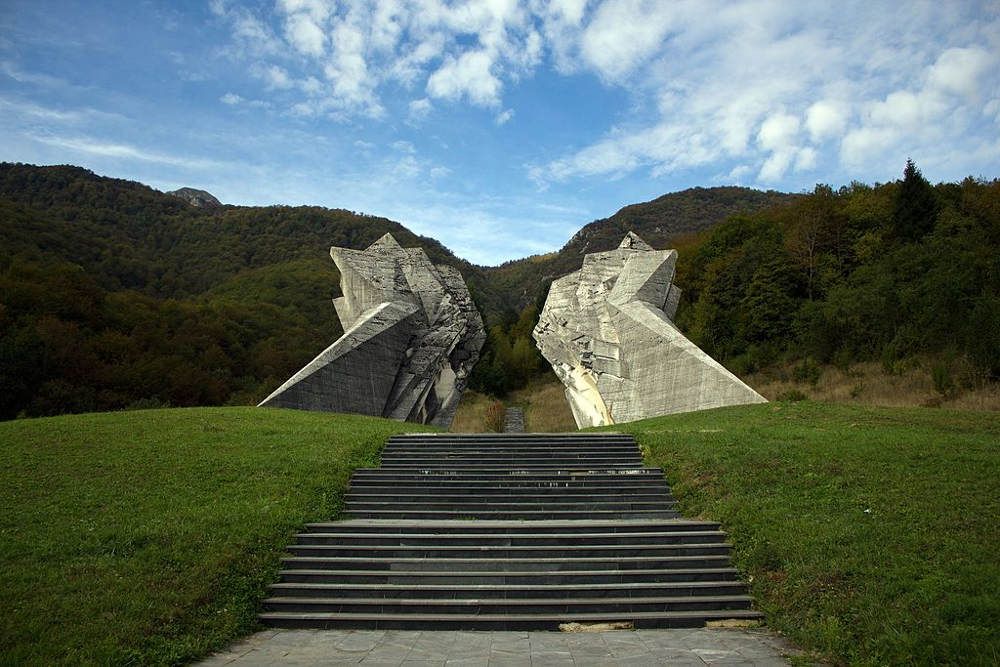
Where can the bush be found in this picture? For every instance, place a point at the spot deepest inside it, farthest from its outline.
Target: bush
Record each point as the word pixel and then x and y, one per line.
pixel 495 413
pixel 792 396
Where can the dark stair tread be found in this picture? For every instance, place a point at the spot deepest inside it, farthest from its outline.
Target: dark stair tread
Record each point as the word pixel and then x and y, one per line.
pixel 512 536
pixel 540 560
pixel 437 574
pixel 512 602
pixel 575 525
pixel 513 588
pixel 519 548
pixel 588 616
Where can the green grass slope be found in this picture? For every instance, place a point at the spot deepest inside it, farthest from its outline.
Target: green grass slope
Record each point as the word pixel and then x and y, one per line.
pixel 870 534
pixel 147 537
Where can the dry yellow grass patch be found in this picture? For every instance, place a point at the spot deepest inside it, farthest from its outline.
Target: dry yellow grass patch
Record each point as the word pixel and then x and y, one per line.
pixel 869 384
pixel 545 406
pixel 471 414
pixel 543 401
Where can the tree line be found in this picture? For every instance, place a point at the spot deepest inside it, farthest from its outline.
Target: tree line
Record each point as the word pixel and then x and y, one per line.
pixel 884 272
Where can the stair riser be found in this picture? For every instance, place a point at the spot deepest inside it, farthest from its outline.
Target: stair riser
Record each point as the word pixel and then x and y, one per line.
pixel 505 499
pixel 539 592
pixel 527 505
pixel 533 452
pixel 500 540
pixel 516 528
pixel 573 440
pixel 472 608
pixel 540 465
pixel 510 565
pixel 611 551
pixel 518 579
pixel 512 515
pixel 469 623
pixel 507 485
pixel 450 477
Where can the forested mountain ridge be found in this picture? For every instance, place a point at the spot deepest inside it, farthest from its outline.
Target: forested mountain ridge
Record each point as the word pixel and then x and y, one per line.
pixel 659 222
pixel 113 294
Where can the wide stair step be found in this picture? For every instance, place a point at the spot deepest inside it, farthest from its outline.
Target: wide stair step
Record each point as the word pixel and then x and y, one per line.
pixel 508 531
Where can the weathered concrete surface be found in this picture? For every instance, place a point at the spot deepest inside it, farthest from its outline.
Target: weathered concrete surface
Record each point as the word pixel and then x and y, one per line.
pixel 411 337
pixel 607 330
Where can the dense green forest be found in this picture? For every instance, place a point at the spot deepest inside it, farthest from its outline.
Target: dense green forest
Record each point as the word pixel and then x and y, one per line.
pixel 114 295
pixel 861 273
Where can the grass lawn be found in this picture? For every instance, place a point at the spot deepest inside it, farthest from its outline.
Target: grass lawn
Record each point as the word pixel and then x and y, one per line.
pixel 871 535
pixel 147 537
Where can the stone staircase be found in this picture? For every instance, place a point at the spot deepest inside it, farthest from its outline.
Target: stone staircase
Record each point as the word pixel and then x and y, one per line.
pixel 508 531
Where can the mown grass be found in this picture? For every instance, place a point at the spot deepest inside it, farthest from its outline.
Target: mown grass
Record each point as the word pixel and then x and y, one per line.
pixel 870 535
pixel 148 537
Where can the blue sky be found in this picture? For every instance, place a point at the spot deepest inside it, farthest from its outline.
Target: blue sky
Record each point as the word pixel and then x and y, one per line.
pixel 499 127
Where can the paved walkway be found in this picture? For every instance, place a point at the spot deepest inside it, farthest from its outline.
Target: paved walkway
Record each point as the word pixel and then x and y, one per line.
pixel 696 647
pixel 513 420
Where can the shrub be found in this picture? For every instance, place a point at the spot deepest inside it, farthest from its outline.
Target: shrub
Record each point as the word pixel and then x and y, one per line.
pixel 792 395
pixel 495 413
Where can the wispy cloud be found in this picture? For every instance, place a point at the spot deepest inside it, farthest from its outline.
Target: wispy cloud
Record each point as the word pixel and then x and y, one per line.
pixel 769 86
pixel 127 152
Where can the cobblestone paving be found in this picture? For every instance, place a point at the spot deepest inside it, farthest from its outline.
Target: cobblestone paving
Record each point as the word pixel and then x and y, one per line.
pixel 398 648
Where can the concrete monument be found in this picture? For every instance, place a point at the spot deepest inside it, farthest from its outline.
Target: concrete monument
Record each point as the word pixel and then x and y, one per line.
pixel 607 330
pixel 411 337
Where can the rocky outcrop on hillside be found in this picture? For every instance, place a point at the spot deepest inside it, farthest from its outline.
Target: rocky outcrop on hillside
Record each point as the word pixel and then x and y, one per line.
pixel 198 198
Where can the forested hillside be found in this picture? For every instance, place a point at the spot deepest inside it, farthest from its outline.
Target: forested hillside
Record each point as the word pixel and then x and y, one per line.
pixel 862 273
pixel 114 295
pixel 658 222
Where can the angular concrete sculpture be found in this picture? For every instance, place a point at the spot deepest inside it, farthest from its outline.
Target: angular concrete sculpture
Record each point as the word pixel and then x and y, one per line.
pixel 411 337
pixel 607 331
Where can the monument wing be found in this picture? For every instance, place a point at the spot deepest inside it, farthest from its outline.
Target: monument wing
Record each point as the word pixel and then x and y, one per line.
pixel 608 333
pixel 411 337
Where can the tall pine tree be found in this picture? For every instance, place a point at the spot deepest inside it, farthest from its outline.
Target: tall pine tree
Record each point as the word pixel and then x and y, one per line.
pixel 915 206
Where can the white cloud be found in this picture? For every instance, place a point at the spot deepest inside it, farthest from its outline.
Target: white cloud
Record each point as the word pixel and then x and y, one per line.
pixel 469 76
pixel 992 110
pixel 317 10
pixel 305 35
pixel 825 120
pixel 404 147
pixel 276 77
pixel 310 85
pixel 624 33
pixel 806 159
pixel 764 84
pixel 461 51
pixel 775 166
pixel 773 88
pixel 125 151
pixel 231 99
pixel 419 109
pixel 778 132
pixel 958 70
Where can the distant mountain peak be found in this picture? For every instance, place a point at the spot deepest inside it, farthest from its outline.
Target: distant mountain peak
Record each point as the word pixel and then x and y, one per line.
pixel 198 198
